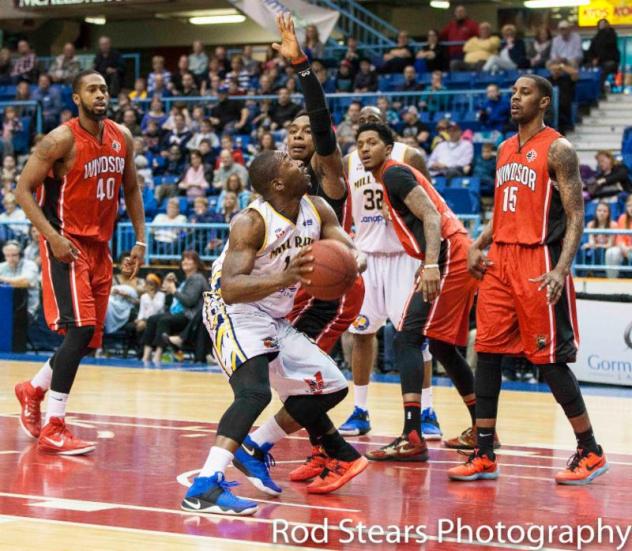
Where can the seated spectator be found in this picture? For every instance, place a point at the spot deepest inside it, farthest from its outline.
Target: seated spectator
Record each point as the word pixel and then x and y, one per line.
pixel 283 110
pixel 414 128
pixel 265 85
pixel 513 54
pixel 227 167
pixel 131 122
pixel 152 302
pixel 11 125
pixel 208 159
pixel 152 137
pixel 32 249
pixel 182 69
pixel 235 185
pixel 494 112
pixel 201 213
pixel 604 51
pixel 66 66
pixel 169 236
pixel 25 64
pixel 312 45
pixel 178 108
pixel 169 164
pixel 198 62
pixel 229 206
pixel 321 74
pixel 23 93
pixel 266 142
pixel 611 179
pixel 539 50
pixel 124 296
pixel 622 249
pixel 147 191
pixel 564 76
pixel 140 90
pixel 366 78
pixel 598 243
pixel 435 56
pixel 229 115
pixel 156 113
pixel 567 46
pixel 212 79
pixel 452 158
pixel 435 103
pixel 5 67
pixel 234 88
pixel 49 99
pixel 477 50
pixel 21 273
pixel 344 77
pixel 206 133
pixel 122 105
pixel 110 64
pixel 390 115
pixel 160 89
pixel 352 56
pixel 9 168
pixel 13 213
pixel 238 72
pixel 187 301
pixel 197 116
pixel 399 56
pixel 410 84
pixel 485 168
pixel 187 87
pixel 252 66
pixel 180 135
pixel 226 142
pixel 222 59
pixel 346 131
pixel 194 182
pixel 460 29
pixel 158 69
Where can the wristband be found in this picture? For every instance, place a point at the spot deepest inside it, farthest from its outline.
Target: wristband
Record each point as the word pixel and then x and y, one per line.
pixel 141 244
pixel 431 266
pixel 299 60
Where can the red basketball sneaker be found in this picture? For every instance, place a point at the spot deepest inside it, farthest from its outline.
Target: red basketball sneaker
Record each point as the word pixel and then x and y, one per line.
pixel 336 474
pixel 30 398
pixel 56 438
pixel 411 447
pixel 477 467
pixel 583 468
pixel 312 467
pixel 467 440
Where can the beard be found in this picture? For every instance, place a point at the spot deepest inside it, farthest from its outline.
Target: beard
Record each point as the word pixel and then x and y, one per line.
pixel 91 113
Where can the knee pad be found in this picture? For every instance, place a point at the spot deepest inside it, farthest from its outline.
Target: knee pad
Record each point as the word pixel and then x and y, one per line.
pixel 565 388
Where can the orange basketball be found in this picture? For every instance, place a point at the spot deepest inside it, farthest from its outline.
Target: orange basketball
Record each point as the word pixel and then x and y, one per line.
pixel 335 270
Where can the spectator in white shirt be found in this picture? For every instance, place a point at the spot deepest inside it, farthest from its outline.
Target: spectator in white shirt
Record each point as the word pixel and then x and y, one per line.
pixel 453 157
pixel 13 213
pixel 20 272
pixel 206 133
pixel 198 60
pixel 567 46
pixel 152 301
pixel 171 218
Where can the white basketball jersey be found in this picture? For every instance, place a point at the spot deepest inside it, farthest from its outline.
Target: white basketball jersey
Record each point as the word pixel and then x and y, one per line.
pixel 373 233
pixel 283 239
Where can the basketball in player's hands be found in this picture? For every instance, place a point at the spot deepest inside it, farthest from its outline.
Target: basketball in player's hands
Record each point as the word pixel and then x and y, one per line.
pixel 335 270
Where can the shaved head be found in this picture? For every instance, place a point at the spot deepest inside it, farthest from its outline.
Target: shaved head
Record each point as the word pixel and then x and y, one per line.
pixel 371 114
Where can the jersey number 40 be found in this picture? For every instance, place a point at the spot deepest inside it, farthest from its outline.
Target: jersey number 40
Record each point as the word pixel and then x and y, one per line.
pixel 105 189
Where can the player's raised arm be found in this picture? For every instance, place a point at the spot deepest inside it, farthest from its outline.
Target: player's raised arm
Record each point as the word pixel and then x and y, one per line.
pixel 134 203
pixel 564 164
pixel 52 150
pixel 246 238
pixel 328 160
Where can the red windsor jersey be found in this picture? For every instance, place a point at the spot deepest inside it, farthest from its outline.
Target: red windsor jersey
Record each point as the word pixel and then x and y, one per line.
pixel 408 227
pixel 527 205
pixel 84 203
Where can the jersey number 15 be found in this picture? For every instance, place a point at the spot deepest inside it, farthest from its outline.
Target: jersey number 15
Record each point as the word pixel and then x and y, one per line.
pixel 510 196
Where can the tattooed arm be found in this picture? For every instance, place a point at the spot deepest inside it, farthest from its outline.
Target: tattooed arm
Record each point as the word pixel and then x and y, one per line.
pixel 564 167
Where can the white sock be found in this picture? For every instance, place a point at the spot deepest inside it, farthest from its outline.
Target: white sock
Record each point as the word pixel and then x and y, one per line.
pixel 43 377
pixel 361 396
pixel 56 405
pixel 217 461
pixel 426 398
pixel 268 433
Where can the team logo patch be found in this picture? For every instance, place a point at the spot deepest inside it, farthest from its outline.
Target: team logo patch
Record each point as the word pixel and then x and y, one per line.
pixel 116 146
pixel 531 155
pixel 361 323
pixel 270 342
pixel 307 223
pixel 540 342
pixel 317 384
pixel 279 232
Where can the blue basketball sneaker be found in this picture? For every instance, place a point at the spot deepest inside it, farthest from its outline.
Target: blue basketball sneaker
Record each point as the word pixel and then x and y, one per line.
pixel 357 424
pixel 430 428
pixel 211 494
pixel 255 462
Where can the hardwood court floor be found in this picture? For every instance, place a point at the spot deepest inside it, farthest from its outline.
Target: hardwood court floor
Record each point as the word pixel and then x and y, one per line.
pixel 154 428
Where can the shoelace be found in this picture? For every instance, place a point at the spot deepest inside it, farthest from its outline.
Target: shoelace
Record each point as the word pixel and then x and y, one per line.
pixel 575 459
pixel 33 406
pixel 471 456
pixel 268 460
pixel 332 466
pixel 226 485
pixel 313 457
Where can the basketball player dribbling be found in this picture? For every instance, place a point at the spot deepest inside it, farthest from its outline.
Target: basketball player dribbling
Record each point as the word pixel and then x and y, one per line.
pixel 77 171
pixel 526 302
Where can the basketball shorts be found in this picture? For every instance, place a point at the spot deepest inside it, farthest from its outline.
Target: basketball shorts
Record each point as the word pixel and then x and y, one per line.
pixel 298 366
pixel 324 321
pixel 387 282
pixel 513 317
pixel 77 294
pixel 447 317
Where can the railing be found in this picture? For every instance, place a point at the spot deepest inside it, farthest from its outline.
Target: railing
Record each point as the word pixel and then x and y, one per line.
pixel 26 108
pixel 601 261
pixel 87 62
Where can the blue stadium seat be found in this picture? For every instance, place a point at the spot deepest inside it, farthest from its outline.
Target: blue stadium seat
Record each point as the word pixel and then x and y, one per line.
pixel 21 139
pixel 440 182
pixel 462 201
pixel 473 184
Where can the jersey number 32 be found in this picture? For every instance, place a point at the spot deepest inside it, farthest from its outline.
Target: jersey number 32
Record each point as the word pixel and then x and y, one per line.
pixel 373 199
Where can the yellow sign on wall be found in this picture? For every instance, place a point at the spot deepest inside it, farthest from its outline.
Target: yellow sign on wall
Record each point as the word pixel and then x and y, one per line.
pixel 618 12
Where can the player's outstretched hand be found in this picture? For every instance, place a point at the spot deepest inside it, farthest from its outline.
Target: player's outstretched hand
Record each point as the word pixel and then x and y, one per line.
pixel 63 249
pixel 136 259
pixel 429 283
pixel 289 47
pixel 477 262
pixel 553 281
pixel 300 267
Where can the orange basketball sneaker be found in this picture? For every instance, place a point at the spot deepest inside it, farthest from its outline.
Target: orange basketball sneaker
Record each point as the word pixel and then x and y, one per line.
pixel 477 467
pixel 583 468
pixel 336 474
pixel 30 398
pixel 312 467
pixel 467 440
pixel 56 438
